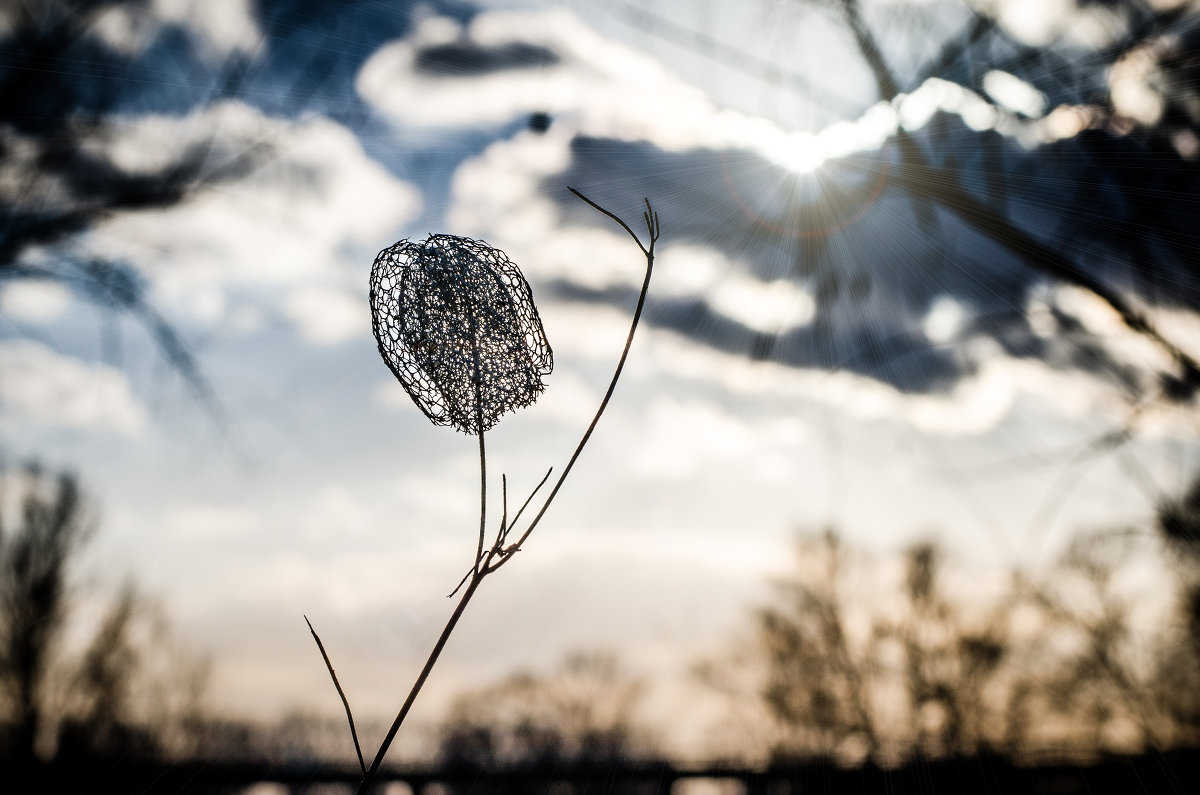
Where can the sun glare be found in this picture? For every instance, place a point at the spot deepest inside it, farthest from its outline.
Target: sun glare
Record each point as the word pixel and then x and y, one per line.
pixel 798 152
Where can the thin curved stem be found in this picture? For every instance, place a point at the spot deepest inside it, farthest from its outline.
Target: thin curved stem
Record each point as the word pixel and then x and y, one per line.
pixel 345 702
pixel 532 494
pixel 474 570
pixel 482 499
pixel 625 226
pixel 652 227
pixel 482 450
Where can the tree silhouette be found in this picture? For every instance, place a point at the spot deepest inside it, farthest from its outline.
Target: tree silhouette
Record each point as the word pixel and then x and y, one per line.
pixel 816 676
pixel 1056 665
pixel 1179 522
pixel 581 712
pixel 126 691
pixel 37 555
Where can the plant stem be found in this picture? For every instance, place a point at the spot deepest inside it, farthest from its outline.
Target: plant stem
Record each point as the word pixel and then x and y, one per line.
pixel 478 377
pixel 482 499
pixel 483 560
pixel 341 693
pixel 652 228
pixel 369 777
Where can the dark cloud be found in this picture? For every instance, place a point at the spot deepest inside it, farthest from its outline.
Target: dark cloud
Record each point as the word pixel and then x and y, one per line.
pixel 874 258
pixel 468 59
pixel 905 359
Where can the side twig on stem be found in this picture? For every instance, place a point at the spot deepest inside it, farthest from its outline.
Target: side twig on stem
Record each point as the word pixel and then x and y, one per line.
pixel 345 703
pixel 652 228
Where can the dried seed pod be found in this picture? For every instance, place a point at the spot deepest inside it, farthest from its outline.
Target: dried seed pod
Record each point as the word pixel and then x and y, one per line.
pixel 456 323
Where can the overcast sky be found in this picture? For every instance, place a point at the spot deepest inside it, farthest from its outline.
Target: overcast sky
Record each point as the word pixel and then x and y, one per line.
pixel 318 488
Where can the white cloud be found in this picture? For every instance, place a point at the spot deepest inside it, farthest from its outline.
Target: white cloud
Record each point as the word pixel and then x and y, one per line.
pixel 299 229
pixel 1104 325
pixel 223 27
pixel 336 545
pixel 687 270
pixel 1034 22
pixel 43 387
pixel 944 320
pixel 598 88
pixel 568 399
pixel 678 439
pixel 588 332
pixel 389 394
pixel 770 307
pixel 210 522
pixel 1014 93
pixel 1132 86
pixel 336 507
pixel 34 301
pixel 327 317
pixel 975 405
pixel 1181 326
pixel 1038 23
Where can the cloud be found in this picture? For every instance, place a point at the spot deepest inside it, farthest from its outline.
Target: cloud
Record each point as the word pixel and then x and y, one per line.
pixel 34 301
pixel 296 233
pixel 1038 23
pixel 1014 93
pixel 569 400
pixel 972 406
pixel 389 394
pixel 498 198
pixel 679 439
pixel 773 307
pixel 582 80
pixel 43 387
pixel 327 317
pixel 224 28
pixel 340 545
pixel 191 523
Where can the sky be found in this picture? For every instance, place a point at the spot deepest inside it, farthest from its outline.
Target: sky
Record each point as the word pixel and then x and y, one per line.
pixel 892 402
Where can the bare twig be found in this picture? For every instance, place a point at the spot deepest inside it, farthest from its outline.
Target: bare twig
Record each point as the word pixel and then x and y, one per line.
pixel 652 228
pixel 345 703
pixel 503 532
pixel 471 572
pixel 529 499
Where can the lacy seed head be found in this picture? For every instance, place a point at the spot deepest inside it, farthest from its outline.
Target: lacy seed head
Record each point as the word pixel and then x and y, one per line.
pixel 456 323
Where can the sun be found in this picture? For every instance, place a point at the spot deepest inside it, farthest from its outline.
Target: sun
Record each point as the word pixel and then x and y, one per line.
pixel 798 152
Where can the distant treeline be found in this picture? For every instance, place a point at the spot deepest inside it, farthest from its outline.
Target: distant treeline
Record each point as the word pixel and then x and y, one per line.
pixel 895 666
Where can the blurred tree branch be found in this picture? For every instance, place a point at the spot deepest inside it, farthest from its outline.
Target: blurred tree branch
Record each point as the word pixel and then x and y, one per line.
pixel 925 181
pixel 58 185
